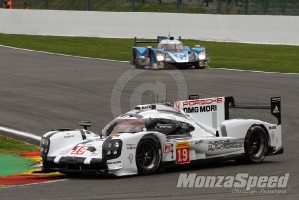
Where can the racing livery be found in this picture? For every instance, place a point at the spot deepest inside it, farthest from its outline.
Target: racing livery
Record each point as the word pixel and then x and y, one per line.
pixel 153 137
pixel 169 53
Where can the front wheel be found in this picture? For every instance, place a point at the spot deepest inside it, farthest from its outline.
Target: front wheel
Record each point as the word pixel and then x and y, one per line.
pixel 148 156
pixel 255 145
pixel 135 60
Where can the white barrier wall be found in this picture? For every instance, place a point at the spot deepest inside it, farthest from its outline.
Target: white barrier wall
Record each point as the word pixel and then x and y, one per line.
pixel 226 28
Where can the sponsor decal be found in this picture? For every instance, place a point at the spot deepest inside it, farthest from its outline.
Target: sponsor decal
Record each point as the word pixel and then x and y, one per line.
pixel 182 153
pixel 272 135
pixel 167 148
pixel 68 135
pixel 198 142
pixel 165 126
pixel 146 107
pixel 130 157
pixel 275 110
pixel 211 108
pixel 177 105
pixel 241 182
pixel 114 162
pixel 131 146
pixel 180 56
pixel 194 96
pixel 98 139
pixel 180 145
pixel 275 99
pixel 202 101
pixel 65 151
pixel 272 127
pixel 222 145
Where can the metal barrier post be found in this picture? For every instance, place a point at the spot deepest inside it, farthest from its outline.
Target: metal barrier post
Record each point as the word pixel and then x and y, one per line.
pixel 46 4
pixel 265 7
pixel 283 8
pixel 178 6
pixel 245 7
pixel 132 7
pixel 88 5
pixel 219 7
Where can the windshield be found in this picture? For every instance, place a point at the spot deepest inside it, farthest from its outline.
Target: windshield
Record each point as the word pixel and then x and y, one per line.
pixel 127 125
pixel 172 47
pixel 124 126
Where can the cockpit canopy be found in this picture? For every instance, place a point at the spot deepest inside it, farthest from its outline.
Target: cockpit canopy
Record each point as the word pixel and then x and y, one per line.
pixel 135 125
pixel 171 45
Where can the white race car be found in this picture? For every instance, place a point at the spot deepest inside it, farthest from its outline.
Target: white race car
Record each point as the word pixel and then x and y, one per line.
pixel 156 136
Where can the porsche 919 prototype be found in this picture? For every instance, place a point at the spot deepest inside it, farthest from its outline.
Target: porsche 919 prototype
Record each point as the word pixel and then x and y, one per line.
pixel 169 53
pixel 153 137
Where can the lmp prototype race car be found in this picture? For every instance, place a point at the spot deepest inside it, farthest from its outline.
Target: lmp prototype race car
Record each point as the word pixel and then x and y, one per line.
pixel 169 53
pixel 153 137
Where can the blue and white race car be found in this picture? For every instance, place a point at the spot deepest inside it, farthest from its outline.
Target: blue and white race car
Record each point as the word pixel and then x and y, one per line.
pixel 169 53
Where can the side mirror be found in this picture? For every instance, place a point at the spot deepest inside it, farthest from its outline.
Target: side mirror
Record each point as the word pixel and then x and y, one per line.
pixel 188 127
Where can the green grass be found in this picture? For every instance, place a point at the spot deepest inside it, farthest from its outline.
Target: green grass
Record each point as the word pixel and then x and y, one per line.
pixel 271 58
pixel 11 146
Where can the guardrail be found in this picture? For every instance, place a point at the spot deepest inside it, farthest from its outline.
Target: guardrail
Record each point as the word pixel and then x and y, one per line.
pixel 258 29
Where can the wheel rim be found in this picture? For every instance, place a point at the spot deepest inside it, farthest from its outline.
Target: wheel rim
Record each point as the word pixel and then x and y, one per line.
pixel 147 156
pixel 256 145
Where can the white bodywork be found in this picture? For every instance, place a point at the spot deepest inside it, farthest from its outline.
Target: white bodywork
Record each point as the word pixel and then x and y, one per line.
pixel 207 119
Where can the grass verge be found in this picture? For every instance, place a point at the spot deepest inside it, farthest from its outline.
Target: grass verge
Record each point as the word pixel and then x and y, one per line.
pixel 11 146
pixel 270 58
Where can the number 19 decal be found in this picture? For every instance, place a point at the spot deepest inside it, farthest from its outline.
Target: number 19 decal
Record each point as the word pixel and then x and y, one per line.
pixel 182 153
pixel 80 150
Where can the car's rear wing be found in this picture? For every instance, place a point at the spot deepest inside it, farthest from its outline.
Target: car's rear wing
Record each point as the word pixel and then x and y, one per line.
pixel 275 106
pixel 159 38
pixel 213 111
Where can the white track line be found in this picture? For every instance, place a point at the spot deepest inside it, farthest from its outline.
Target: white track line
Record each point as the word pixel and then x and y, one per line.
pixel 46 182
pixel 20 133
pixel 61 54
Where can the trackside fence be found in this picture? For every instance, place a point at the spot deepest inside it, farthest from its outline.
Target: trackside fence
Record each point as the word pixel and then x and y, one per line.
pixel 230 7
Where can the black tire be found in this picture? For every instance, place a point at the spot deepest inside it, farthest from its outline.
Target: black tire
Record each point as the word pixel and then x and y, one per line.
pixel 135 60
pixel 148 155
pixel 255 145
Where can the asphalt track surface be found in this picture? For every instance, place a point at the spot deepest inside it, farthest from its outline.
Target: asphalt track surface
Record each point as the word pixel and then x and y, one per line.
pixel 40 92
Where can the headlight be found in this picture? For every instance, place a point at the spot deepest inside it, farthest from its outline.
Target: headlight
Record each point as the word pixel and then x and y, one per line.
pixel 202 55
pixel 111 148
pixel 44 146
pixel 160 56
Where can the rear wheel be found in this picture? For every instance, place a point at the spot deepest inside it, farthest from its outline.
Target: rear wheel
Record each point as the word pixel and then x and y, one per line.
pixel 255 145
pixel 148 156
